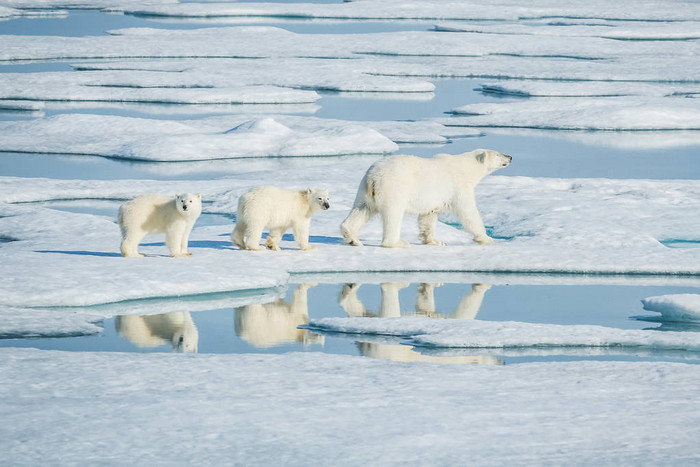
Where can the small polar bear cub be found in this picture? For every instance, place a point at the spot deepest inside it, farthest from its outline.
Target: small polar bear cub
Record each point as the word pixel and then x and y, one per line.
pixel 278 210
pixel 401 184
pixel 151 213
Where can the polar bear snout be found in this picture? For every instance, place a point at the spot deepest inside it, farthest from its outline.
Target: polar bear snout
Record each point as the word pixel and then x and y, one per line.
pixel 326 205
pixel 507 160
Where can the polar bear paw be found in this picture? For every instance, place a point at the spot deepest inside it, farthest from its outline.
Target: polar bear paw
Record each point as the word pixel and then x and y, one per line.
pixel 435 242
pixel 485 240
pixel 398 244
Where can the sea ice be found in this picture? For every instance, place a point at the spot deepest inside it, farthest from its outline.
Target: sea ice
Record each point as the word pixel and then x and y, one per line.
pixel 680 307
pixel 612 114
pixel 470 333
pixel 189 140
pixel 432 9
pixel 230 409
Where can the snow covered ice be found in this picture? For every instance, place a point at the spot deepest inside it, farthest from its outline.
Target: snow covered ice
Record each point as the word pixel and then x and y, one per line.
pixel 209 98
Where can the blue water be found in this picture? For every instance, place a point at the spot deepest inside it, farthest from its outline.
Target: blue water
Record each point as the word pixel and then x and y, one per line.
pixel 272 327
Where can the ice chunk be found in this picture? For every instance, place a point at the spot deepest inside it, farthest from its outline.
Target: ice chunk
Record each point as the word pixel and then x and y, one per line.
pixel 678 307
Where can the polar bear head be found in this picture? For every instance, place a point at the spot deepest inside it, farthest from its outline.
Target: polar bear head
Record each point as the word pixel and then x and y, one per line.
pixel 188 204
pixel 492 160
pixel 318 199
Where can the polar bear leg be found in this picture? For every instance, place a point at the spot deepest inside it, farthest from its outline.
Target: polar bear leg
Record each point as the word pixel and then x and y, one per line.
pixel 253 234
pixel 426 226
pixel 392 220
pixel 238 233
pixel 274 238
pixel 301 234
pixel 184 242
pixel 350 227
pixel 173 238
pixel 130 243
pixel 471 219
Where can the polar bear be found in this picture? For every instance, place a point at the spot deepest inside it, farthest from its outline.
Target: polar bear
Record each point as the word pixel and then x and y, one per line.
pixel 175 327
pixel 409 184
pixel 151 213
pixel 277 209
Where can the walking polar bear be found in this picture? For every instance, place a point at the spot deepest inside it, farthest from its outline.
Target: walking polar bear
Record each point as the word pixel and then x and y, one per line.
pixel 151 213
pixel 278 210
pixel 409 184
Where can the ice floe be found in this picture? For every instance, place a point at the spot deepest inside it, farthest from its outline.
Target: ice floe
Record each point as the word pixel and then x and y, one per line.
pixel 155 88
pixel 584 226
pixel 432 9
pixel 679 307
pixel 306 401
pixel 613 113
pixel 468 333
pixel 76 4
pixel 189 140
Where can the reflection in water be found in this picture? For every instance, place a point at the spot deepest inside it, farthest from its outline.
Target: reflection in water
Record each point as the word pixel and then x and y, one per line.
pixel 390 307
pixel 275 323
pixel 175 327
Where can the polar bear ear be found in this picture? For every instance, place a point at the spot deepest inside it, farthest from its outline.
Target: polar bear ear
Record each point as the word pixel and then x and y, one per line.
pixel 481 157
pixel 309 191
pixel 199 195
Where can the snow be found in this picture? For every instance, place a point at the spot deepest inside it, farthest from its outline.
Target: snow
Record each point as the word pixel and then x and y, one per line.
pixel 433 9
pixel 675 308
pixel 97 87
pixel 189 140
pixel 291 409
pixel 612 113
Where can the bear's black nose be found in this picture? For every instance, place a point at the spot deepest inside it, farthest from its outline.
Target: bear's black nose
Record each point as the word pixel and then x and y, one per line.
pixel 326 205
pixel 184 207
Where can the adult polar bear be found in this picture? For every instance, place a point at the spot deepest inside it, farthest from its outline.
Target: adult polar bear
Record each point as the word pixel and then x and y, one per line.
pixel 409 184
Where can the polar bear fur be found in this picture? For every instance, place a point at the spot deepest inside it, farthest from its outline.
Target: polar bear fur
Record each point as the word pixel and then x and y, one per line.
pixel 151 213
pixel 277 322
pixel 278 210
pixel 403 184
pixel 176 328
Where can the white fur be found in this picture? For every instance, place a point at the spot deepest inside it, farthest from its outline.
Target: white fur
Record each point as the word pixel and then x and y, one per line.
pixel 278 210
pixel 175 327
pixel 157 214
pixel 409 184
pixel 275 323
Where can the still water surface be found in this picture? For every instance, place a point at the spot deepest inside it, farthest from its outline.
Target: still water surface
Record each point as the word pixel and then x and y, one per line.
pixel 274 326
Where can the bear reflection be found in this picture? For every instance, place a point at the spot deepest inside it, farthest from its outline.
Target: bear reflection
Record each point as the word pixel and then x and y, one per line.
pixel 276 323
pixel 176 328
pixel 390 307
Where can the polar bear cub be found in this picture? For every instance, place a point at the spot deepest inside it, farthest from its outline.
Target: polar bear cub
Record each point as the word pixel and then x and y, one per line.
pixel 401 184
pixel 151 213
pixel 278 210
